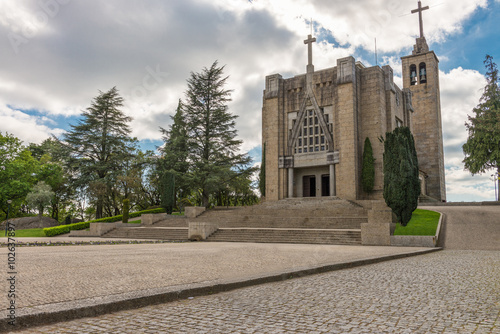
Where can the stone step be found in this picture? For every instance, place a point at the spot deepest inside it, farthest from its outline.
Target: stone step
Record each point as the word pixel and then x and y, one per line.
pixel 280 222
pixel 172 222
pixel 174 234
pixel 292 212
pixel 335 237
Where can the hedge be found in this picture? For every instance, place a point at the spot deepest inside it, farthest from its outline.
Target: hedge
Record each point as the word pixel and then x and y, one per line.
pixel 52 231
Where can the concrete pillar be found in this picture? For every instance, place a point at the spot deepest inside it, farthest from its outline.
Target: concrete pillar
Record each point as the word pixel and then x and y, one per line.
pixel 332 181
pixel 290 182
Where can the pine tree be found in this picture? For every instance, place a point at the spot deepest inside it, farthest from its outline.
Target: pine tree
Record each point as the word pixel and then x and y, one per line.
pixel 368 169
pixel 482 149
pixel 401 175
pixel 98 144
pixel 213 147
pixel 175 152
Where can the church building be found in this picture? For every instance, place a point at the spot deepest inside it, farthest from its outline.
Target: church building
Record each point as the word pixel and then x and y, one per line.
pixel 314 125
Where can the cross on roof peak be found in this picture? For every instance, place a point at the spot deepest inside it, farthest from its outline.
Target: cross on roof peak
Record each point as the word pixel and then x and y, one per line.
pixel 309 42
pixel 419 10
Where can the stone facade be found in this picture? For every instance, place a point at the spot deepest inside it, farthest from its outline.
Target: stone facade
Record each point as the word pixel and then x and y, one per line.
pixel 314 126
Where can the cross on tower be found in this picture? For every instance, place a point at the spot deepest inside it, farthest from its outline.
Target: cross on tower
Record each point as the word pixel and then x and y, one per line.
pixel 419 10
pixel 309 41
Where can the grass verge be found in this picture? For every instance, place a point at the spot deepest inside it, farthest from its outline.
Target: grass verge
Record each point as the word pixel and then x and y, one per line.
pixel 423 222
pixel 29 233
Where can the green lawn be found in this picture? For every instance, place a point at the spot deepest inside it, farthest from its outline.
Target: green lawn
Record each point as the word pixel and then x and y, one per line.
pixel 138 221
pixel 30 233
pixel 423 222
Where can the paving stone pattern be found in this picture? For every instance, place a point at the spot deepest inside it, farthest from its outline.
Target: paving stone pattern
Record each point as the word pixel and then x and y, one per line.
pixel 451 291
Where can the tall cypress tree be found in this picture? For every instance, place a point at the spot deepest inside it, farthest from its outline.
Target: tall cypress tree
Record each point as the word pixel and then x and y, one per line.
pixel 168 191
pixel 368 169
pixel 482 149
pixel 98 144
pixel 401 181
pixel 213 147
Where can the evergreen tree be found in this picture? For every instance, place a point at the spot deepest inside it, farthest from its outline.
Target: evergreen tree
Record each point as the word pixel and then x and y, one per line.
pixel 401 182
pixel 262 174
pixel 368 169
pixel 482 149
pixel 175 152
pixel 126 209
pixel 213 147
pixel 98 144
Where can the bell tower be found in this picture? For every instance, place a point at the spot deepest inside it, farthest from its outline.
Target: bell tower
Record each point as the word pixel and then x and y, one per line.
pixel 421 77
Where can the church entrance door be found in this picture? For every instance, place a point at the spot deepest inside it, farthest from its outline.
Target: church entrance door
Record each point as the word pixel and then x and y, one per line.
pixel 309 186
pixel 325 185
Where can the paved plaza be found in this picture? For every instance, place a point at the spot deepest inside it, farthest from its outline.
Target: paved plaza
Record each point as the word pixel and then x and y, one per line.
pixel 55 274
pixel 450 291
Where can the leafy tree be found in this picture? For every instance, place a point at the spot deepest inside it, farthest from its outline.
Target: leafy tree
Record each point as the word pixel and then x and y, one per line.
pixel 213 147
pixel 401 182
pixel 482 149
pixel 17 172
pixel 368 169
pixel 40 197
pixel 53 157
pixel 99 143
pixel 168 191
pixel 262 174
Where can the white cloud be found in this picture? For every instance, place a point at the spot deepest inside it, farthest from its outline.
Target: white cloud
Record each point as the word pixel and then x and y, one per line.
pixel 460 93
pixel 27 128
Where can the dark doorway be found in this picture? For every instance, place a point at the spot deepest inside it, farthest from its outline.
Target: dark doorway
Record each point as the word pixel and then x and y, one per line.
pixel 309 186
pixel 325 185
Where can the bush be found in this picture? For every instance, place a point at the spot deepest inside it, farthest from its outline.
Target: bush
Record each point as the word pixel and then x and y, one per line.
pixel 67 220
pixel 52 231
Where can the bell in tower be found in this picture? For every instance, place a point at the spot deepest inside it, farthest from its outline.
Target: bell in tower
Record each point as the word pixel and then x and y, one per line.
pixel 423 73
pixel 413 75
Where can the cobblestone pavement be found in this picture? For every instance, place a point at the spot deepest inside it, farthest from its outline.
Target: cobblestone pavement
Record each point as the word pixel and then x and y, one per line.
pixel 64 273
pixel 451 291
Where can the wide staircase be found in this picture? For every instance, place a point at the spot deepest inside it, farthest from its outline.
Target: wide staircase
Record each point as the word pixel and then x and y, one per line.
pixel 290 236
pixel 298 220
pixel 156 233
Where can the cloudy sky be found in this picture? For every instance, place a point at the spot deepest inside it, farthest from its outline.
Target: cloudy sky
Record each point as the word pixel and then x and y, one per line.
pixel 56 54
